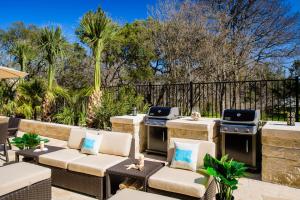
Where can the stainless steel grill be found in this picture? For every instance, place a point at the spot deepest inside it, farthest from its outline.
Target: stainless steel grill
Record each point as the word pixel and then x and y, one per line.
pixel 239 129
pixel 157 133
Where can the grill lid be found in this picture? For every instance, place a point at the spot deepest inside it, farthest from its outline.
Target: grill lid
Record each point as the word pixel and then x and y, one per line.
pixel 241 116
pixel 157 111
pixel 163 112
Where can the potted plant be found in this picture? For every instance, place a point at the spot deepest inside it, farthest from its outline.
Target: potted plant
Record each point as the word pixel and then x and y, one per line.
pixel 28 141
pixel 226 173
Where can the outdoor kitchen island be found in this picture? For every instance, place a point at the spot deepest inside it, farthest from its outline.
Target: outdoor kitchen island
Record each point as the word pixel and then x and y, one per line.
pixel 281 153
pixel 203 129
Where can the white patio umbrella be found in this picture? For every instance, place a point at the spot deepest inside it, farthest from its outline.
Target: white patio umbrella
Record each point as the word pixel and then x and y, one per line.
pixel 6 73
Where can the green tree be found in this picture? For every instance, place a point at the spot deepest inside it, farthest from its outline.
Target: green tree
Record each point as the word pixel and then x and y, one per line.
pixel 52 42
pixel 29 99
pixel 23 52
pixel 73 112
pixel 95 30
pixel 76 71
pixel 139 51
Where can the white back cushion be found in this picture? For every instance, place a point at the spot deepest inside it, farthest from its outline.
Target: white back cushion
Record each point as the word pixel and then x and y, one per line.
pixel 204 148
pixel 115 143
pixel 76 138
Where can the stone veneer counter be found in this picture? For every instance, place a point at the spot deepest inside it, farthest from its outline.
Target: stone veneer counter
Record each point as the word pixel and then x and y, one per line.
pixel 135 126
pixel 202 129
pixel 281 153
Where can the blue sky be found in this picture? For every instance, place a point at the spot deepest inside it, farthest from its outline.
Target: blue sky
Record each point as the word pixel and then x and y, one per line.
pixel 67 13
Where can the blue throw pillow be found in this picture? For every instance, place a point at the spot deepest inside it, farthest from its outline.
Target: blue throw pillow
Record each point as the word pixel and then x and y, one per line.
pixel 185 156
pixel 91 144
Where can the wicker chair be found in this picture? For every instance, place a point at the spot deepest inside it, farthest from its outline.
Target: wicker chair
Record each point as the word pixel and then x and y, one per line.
pixel 184 184
pixel 13 126
pixel 3 138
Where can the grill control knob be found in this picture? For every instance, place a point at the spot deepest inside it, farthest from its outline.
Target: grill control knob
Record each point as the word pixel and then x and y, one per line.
pixel 225 129
pixel 247 130
pixel 236 129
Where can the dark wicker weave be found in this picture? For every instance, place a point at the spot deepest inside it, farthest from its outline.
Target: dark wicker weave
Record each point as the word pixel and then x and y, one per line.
pixel 79 182
pixel 38 191
pixel 209 194
pixel 3 139
pixel 29 153
pixel 121 172
pixel 13 126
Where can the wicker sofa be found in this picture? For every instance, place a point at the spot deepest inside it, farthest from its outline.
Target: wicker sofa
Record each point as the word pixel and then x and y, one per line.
pixel 184 184
pixel 84 173
pixel 24 181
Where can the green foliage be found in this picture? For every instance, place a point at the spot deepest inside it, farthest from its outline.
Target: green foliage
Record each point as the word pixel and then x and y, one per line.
pixel 226 172
pixel 28 141
pixel 113 104
pixel 95 30
pixel 7 95
pixel 75 74
pixel 52 43
pixel 29 99
pixel 23 52
pixel 74 110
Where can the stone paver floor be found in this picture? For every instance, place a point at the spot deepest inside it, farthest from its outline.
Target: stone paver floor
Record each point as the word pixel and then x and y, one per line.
pixel 249 189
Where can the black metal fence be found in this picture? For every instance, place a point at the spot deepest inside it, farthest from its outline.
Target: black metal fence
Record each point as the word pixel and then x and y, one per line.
pixel 275 98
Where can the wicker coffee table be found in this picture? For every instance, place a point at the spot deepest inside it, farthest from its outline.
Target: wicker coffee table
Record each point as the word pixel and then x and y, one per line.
pixel 120 170
pixel 29 153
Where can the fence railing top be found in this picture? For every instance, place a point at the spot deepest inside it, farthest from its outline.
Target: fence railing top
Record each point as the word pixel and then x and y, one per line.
pixel 209 82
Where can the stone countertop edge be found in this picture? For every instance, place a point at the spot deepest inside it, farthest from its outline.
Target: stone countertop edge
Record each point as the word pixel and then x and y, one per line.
pixel 280 126
pixel 128 119
pixel 204 124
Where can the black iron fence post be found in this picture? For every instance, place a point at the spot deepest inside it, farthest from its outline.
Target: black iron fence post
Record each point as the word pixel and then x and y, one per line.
pixel 191 96
pixel 297 98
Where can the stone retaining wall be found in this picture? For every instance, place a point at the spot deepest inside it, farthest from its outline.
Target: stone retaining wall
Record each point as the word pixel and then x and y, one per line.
pixel 52 130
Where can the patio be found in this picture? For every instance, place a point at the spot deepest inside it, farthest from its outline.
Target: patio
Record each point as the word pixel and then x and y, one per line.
pixel 251 188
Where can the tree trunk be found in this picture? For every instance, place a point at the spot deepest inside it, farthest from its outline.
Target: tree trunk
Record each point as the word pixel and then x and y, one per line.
pixel 51 74
pixel 95 98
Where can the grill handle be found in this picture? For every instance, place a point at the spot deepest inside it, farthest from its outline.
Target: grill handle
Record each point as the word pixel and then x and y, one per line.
pixel 247 146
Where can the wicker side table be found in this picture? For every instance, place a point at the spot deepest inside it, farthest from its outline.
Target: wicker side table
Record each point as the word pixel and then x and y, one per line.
pixel 29 153
pixel 120 170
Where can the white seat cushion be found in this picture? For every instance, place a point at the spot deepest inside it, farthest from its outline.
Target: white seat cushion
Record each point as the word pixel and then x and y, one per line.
pixel 95 164
pixel 76 138
pixel 127 194
pixel 115 143
pixel 20 175
pixel 60 158
pixel 179 181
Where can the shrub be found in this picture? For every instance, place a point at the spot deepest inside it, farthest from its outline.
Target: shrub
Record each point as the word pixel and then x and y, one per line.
pixel 114 104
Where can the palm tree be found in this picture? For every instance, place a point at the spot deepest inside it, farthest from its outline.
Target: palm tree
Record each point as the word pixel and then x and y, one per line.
pixel 52 42
pixel 95 30
pixel 73 112
pixel 23 53
pixel 30 97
